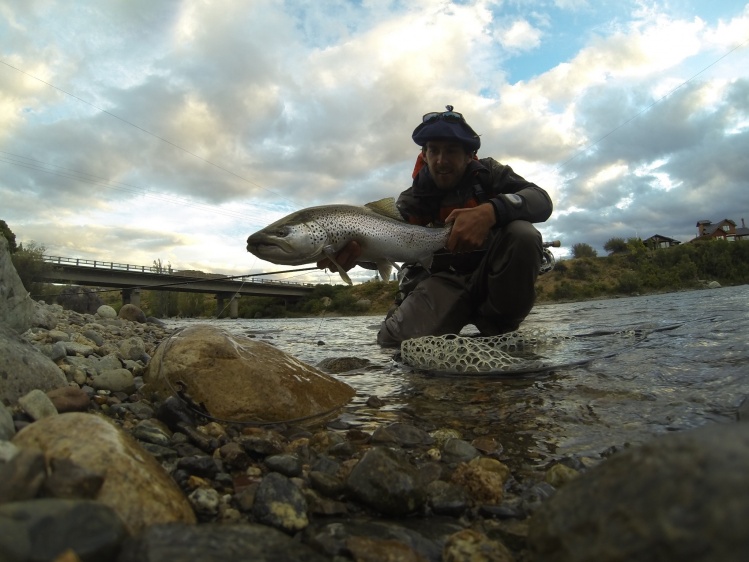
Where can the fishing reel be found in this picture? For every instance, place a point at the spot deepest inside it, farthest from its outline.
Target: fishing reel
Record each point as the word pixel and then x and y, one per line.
pixel 547 258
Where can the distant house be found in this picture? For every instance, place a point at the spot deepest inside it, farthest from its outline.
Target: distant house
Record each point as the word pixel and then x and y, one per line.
pixel 723 230
pixel 657 241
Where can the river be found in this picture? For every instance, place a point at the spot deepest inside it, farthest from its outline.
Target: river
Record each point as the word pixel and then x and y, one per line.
pixel 650 364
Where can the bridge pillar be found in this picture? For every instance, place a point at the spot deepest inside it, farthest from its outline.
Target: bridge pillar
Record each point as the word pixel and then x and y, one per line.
pixel 233 304
pixel 131 296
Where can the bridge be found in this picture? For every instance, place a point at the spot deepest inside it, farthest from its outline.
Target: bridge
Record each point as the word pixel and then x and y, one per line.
pixel 134 278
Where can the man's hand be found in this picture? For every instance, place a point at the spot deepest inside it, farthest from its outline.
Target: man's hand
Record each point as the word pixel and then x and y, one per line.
pixel 470 227
pixel 346 257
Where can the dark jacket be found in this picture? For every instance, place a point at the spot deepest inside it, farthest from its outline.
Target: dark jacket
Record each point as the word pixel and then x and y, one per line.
pixel 485 180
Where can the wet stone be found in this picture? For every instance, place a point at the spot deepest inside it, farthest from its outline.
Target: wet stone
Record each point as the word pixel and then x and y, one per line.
pixel 261 445
pixel 280 504
pixel 159 452
pixel 403 434
pixel 384 480
pixel 205 501
pixel 211 541
pixel 326 464
pixel 152 431
pixel 458 450
pixel 43 529
pixel 199 465
pixel 234 456
pixel 446 498
pixel 288 465
pixel 175 414
pixel 326 484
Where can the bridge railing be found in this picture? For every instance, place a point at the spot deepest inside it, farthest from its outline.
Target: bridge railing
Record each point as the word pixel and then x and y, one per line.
pixel 60 260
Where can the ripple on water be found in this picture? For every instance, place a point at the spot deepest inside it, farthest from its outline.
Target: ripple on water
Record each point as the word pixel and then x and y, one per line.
pixel 685 376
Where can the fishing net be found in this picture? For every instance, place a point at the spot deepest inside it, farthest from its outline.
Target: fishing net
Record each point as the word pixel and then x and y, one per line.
pixel 529 350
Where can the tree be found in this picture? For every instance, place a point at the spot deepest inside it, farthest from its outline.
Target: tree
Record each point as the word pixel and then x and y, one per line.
pixel 29 263
pixel 616 246
pixel 9 236
pixel 583 250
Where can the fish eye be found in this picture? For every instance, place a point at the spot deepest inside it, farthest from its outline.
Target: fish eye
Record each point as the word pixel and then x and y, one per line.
pixel 282 232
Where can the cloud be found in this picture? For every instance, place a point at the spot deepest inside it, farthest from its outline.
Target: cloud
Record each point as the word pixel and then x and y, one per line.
pixel 187 127
pixel 519 36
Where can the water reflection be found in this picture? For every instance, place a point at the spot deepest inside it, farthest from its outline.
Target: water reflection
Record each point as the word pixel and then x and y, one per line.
pixel 683 365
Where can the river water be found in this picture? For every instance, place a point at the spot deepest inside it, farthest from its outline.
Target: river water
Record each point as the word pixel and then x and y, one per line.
pixel 650 364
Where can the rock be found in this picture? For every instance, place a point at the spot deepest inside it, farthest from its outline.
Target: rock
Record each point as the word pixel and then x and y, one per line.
pixel 560 474
pixel 132 348
pixel 458 450
pixel 22 477
pixel 44 529
pixel 24 368
pixel 342 364
pixel 384 480
pixel 403 434
pixel 469 545
pixel 67 480
pixel 213 542
pixel 132 313
pixel 16 306
pixel 446 498
pixel 94 336
pixel 106 311
pixel 116 380
pixel 205 501
pixel 43 317
pixel 713 285
pixel 7 428
pixel 240 379
pixel 135 484
pixel 280 504
pixel 37 405
pixel 288 465
pixel 483 479
pixel 76 348
pixel 678 497
pixel 69 399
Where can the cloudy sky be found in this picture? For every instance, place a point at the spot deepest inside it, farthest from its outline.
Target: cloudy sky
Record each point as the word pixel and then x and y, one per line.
pixel 132 131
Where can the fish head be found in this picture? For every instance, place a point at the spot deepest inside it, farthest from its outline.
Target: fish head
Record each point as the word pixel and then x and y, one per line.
pixel 292 240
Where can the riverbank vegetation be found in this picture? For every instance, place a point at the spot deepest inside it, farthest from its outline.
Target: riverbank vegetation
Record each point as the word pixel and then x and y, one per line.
pixel 629 269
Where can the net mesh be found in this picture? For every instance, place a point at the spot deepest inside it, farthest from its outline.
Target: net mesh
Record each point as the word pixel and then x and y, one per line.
pixel 532 349
pixel 460 354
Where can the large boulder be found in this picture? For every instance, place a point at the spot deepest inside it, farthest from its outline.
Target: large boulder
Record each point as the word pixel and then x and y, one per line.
pixel 16 306
pixel 680 497
pixel 24 368
pixel 135 485
pixel 241 379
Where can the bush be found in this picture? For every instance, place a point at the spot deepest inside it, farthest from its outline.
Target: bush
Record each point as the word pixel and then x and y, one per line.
pixel 30 265
pixel 583 250
pixel 616 246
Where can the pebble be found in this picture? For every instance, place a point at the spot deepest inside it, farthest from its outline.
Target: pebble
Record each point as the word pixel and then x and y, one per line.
pixel 37 405
pixel 278 492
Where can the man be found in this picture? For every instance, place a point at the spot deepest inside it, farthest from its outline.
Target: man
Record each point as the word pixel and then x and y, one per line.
pixel 487 276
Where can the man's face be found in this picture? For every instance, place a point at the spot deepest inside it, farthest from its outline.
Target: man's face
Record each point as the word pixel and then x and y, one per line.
pixel 447 162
